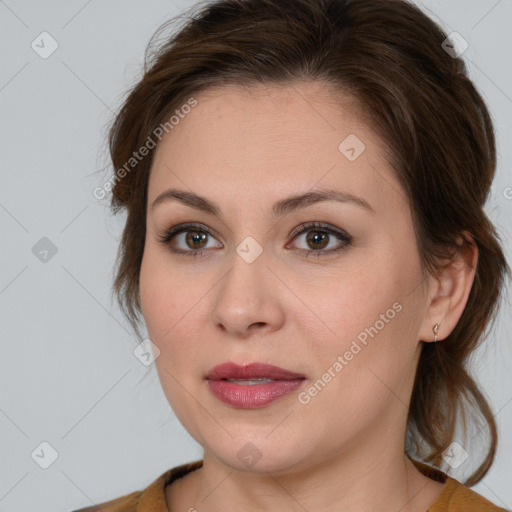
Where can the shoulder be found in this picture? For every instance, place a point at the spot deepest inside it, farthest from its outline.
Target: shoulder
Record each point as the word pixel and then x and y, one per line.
pixel 126 503
pixel 456 496
pixel 469 500
pixel 150 499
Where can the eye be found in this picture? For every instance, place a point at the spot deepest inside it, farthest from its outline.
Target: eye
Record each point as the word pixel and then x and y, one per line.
pixel 320 237
pixel 192 235
pixel 195 237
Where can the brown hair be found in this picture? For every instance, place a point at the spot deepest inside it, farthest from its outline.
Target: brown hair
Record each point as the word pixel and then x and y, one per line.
pixel 388 55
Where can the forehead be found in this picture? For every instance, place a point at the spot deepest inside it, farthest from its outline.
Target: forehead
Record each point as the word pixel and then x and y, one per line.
pixel 270 140
pixel 280 116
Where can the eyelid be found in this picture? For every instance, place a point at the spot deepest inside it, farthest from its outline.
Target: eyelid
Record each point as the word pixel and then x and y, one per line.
pixel 171 233
pixel 321 226
pixel 299 229
pixel 345 239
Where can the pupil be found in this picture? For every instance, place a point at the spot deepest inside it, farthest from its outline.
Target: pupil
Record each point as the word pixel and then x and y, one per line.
pixel 314 238
pixel 317 237
pixel 195 237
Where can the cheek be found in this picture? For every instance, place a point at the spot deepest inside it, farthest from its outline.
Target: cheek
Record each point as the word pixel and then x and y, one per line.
pixel 368 317
pixel 340 307
pixel 150 289
pixel 158 300
pixel 160 286
pixel 170 304
pixel 168 313
pixel 361 374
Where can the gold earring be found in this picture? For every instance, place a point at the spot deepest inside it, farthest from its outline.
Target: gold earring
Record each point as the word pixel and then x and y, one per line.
pixel 436 327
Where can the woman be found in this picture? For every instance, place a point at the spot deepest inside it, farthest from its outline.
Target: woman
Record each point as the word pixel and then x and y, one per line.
pixel 326 164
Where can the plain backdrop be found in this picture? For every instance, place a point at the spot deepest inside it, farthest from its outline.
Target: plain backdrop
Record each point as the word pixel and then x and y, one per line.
pixel 68 376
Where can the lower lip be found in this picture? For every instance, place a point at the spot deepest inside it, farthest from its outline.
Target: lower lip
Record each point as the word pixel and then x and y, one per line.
pixel 246 396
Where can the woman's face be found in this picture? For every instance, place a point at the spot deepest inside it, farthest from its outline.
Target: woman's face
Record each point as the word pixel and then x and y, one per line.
pixel 348 321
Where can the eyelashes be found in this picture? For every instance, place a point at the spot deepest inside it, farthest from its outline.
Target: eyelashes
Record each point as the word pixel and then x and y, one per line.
pixel 197 234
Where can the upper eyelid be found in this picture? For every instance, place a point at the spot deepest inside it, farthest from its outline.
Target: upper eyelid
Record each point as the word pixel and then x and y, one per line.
pixel 299 230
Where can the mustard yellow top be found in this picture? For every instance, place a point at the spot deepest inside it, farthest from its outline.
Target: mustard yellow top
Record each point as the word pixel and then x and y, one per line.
pixel 455 497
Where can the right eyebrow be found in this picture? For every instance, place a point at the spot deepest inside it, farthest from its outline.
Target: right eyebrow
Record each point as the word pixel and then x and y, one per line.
pixel 280 208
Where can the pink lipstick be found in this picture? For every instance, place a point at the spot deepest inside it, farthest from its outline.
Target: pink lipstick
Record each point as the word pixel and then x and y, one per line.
pixel 251 386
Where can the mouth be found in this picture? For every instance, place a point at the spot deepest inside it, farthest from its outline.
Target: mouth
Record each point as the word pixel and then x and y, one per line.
pixel 251 374
pixel 251 386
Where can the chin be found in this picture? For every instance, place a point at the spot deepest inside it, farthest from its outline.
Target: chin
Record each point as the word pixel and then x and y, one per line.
pixel 258 456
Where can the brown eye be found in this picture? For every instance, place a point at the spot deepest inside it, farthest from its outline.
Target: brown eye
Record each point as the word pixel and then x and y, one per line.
pixel 192 239
pixel 319 238
pixel 195 239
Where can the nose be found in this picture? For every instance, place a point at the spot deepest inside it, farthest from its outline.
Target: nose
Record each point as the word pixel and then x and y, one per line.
pixel 249 299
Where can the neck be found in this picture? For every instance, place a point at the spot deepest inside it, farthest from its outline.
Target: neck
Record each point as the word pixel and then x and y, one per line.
pixel 372 482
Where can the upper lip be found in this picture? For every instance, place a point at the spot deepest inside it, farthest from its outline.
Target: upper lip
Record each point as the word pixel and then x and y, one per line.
pixel 230 370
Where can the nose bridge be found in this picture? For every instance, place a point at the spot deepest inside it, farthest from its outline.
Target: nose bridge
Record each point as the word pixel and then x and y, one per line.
pixel 247 275
pixel 247 293
pixel 254 242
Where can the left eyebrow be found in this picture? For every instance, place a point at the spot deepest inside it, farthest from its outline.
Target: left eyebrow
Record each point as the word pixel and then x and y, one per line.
pixel 280 208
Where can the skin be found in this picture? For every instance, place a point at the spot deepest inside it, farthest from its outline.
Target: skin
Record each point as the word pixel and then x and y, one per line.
pixel 344 450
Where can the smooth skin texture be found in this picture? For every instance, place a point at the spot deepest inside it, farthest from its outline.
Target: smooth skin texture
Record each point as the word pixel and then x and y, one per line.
pixel 344 450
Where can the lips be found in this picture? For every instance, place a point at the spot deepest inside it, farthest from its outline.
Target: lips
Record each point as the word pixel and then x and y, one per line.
pixel 251 386
pixel 230 370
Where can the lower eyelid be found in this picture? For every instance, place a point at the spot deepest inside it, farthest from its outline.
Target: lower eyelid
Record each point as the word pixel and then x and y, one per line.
pixel 344 239
pixel 185 231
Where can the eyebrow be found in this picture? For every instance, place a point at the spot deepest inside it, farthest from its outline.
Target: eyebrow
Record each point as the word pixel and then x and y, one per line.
pixel 280 208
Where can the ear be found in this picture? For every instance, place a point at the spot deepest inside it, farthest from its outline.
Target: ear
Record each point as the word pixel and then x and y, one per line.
pixel 449 292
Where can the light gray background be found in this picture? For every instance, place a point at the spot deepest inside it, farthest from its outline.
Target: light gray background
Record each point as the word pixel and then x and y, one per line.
pixel 68 375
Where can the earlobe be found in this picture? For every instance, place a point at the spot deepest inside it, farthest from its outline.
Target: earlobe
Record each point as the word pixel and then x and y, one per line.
pixel 436 328
pixel 451 291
